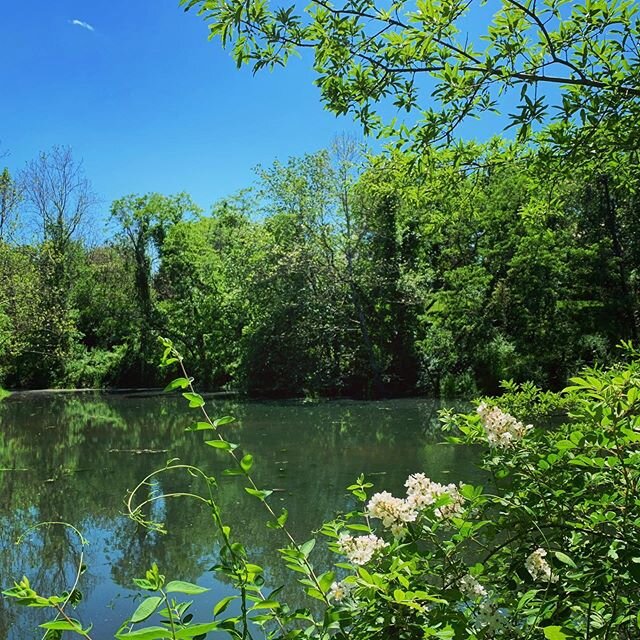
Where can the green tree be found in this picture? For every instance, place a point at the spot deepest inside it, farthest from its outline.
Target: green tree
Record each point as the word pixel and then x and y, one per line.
pixel 570 63
pixel 142 225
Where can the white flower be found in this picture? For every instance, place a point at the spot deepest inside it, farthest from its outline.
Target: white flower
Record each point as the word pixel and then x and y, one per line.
pixel 471 588
pixel 339 591
pixel 539 568
pixel 423 492
pixel 394 512
pixel 502 429
pixel 490 616
pixel 361 549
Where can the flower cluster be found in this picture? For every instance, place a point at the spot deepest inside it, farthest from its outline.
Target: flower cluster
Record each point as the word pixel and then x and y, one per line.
pixel 502 429
pixel 394 512
pixel 471 588
pixel 339 591
pixel 360 550
pixel 422 492
pixel 487 613
pixel 539 568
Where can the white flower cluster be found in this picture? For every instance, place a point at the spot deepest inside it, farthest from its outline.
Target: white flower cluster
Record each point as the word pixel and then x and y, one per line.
pixel 339 591
pixel 539 568
pixel 488 614
pixel 502 429
pixel 471 588
pixel 394 512
pixel 423 492
pixel 360 550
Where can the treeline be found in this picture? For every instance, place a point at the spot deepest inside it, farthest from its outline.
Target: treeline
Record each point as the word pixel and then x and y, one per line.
pixel 335 274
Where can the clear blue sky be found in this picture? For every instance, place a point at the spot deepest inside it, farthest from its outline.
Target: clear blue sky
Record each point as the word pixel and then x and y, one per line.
pixel 146 100
pixel 149 104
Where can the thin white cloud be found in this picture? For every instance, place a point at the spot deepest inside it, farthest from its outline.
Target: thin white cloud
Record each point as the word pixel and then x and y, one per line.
pixel 83 25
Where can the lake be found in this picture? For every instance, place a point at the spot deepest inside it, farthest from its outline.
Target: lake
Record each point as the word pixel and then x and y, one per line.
pixel 74 458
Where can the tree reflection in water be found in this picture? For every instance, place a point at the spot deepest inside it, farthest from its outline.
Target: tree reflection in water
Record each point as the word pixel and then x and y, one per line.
pixel 73 458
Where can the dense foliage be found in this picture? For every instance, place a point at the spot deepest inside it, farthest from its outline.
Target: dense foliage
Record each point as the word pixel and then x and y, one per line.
pixel 334 274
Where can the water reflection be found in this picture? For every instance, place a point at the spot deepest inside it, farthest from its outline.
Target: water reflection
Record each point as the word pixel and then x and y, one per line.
pixel 73 458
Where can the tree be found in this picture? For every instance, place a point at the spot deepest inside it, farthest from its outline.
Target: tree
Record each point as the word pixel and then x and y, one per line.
pixel 560 61
pixel 10 197
pixel 59 195
pixel 143 223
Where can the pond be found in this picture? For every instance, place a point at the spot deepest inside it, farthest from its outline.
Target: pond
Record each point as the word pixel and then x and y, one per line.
pixel 74 458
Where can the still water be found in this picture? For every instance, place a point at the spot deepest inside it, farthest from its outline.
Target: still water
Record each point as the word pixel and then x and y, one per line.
pixel 75 457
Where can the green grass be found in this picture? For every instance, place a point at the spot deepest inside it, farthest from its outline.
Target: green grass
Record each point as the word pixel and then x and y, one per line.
pixel 4 394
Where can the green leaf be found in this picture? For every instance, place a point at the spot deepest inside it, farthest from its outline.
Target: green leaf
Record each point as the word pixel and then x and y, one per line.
pixel 222 605
pixel 146 608
pixel 178 586
pixel 197 629
pixel 555 633
pixel 307 547
pixel 266 604
pixel 178 383
pixel 261 494
pixel 224 420
pixel 195 400
pixel 563 557
pixel 61 625
pixel 200 426
pixel 247 463
pixel 222 444
pixel 149 633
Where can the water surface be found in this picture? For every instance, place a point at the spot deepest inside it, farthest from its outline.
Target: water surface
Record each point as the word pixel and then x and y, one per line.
pixel 75 457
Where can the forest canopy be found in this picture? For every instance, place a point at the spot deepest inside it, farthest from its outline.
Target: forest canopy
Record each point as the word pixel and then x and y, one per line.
pixel 335 273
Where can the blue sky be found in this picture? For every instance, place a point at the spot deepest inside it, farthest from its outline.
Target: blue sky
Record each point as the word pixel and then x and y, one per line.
pixel 146 100
pixel 149 104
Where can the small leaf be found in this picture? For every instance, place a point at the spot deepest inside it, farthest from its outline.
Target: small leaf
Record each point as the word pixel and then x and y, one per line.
pixel 178 383
pixel 195 400
pixel 223 604
pixel 145 609
pixel 555 633
pixel 200 426
pixel 178 586
pixel 61 625
pixel 247 463
pixel 262 495
pixel 150 633
pixel 266 604
pixel 307 547
pixel 221 444
pixel 563 557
